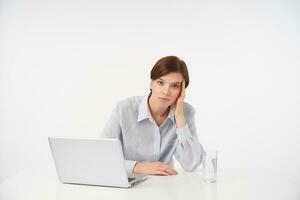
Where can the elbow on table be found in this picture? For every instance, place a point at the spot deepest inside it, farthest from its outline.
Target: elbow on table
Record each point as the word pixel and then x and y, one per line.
pixel 193 165
pixel 192 162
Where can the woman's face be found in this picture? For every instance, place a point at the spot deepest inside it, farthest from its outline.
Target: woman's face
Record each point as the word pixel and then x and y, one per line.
pixel 166 89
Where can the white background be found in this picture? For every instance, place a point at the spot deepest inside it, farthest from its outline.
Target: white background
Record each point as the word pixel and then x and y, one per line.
pixel 65 64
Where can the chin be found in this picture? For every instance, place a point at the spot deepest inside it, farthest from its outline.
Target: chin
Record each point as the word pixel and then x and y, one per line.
pixel 166 104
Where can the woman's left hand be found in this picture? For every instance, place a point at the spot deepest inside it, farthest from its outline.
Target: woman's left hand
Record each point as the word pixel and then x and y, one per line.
pixel 178 109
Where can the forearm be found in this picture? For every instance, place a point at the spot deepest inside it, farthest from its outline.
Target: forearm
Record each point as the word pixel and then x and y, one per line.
pixel 180 121
pixel 189 150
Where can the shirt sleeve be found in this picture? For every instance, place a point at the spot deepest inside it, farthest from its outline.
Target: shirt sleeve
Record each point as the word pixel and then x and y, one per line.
pixel 189 151
pixel 112 129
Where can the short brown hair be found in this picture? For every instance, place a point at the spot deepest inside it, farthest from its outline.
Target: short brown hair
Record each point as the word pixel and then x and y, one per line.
pixel 170 64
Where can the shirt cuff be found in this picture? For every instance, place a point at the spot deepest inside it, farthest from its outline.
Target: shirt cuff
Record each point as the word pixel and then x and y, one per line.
pixel 183 133
pixel 129 165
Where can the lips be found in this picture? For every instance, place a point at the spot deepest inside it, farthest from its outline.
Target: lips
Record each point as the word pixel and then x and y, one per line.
pixel 164 99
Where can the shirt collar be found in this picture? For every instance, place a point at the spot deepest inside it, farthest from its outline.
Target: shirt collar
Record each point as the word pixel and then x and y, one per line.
pixel 171 115
pixel 144 111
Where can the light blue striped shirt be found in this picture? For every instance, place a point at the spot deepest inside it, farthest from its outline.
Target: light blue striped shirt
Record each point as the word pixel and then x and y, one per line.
pixel 144 141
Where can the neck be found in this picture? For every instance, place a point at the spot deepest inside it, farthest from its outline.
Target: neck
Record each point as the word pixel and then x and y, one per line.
pixel 156 109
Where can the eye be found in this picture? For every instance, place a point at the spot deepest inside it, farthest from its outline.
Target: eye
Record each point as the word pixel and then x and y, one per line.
pixel 160 83
pixel 175 86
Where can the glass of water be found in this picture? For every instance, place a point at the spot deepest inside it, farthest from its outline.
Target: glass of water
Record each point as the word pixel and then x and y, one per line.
pixel 210 159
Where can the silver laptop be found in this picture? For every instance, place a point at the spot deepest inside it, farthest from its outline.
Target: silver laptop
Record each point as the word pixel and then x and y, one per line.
pixel 92 162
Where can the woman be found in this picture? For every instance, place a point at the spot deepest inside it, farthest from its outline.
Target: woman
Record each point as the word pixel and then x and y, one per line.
pixel 155 127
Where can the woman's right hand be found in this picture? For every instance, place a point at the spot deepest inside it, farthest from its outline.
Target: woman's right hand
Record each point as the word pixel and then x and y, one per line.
pixel 154 168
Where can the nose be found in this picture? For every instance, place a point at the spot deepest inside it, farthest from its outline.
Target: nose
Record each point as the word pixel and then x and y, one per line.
pixel 166 90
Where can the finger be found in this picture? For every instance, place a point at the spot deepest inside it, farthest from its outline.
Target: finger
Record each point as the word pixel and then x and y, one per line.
pixel 182 91
pixel 161 173
pixel 183 88
pixel 174 171
pixel 183 83
pixel 169 170
pixel 165 166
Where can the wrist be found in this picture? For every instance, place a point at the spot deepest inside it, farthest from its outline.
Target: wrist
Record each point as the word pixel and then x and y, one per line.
pixel 180 122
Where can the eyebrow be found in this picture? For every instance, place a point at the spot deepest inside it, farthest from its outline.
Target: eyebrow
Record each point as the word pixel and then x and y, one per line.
pixel 170 83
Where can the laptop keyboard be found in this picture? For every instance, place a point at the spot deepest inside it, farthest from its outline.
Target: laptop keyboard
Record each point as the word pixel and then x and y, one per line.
pixel 130 179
